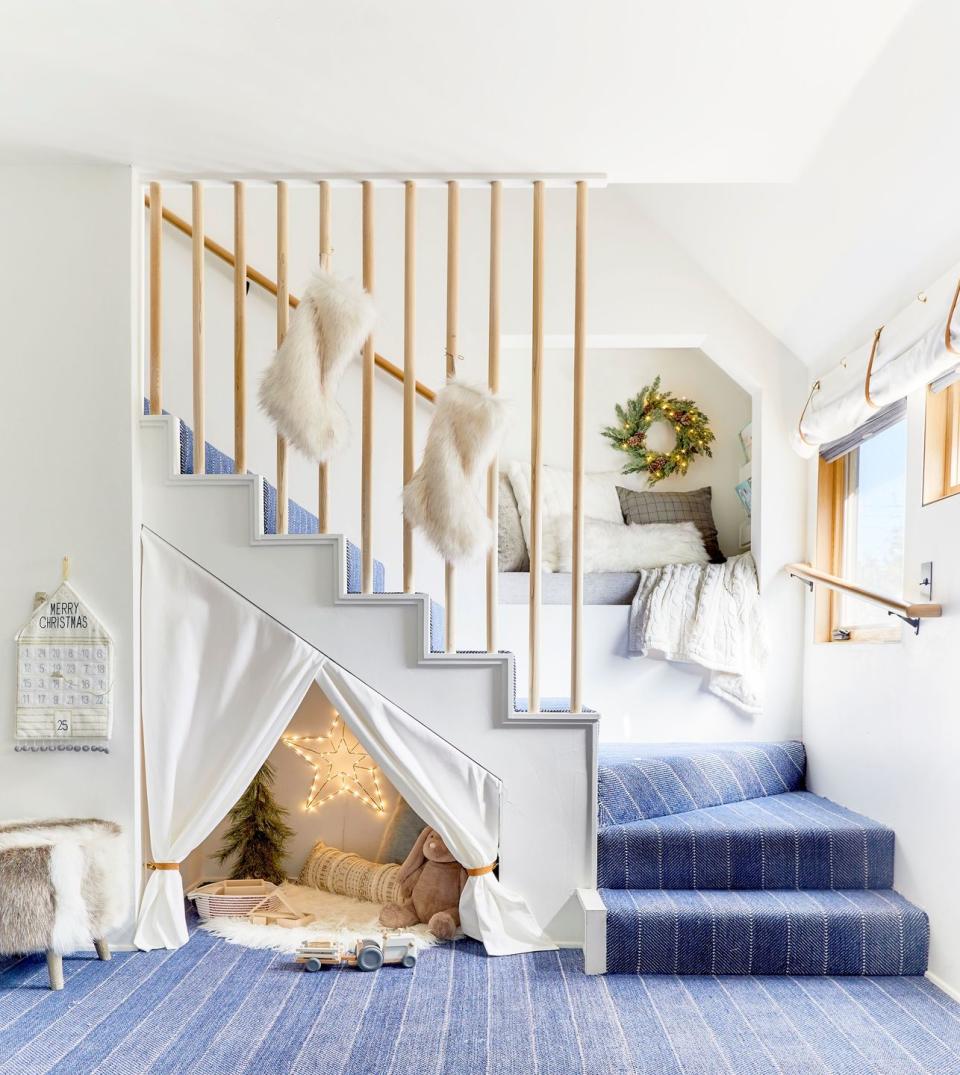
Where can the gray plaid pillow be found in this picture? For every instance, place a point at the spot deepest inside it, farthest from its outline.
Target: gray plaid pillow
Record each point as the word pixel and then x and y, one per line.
pixel 694 507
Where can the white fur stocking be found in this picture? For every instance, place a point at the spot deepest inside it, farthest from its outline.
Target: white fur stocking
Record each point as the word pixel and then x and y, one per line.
pixel 441 498
pixel 299 388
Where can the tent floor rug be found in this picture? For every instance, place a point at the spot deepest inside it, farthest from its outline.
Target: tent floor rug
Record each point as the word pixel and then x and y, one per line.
pixel 341 918
pixel 212 1008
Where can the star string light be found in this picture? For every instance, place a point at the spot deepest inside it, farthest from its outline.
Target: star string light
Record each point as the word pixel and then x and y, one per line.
pixel 339 768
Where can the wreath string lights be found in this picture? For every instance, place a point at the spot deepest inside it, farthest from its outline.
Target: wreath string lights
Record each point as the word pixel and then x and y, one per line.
pixel 652 404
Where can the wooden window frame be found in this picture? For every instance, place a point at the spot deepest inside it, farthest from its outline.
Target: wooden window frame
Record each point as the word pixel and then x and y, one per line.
pixel 832 483
pixel 941 444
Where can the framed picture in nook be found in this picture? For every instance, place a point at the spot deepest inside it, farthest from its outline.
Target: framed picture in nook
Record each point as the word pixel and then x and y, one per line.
pixel 746 441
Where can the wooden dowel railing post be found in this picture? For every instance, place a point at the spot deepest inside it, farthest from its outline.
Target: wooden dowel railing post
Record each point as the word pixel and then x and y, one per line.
pixel 239 329
pixel 156 299
pixel 536 407
pixel 453 313
pixel 579 389
pixel 493 381
pixel 283 320
pixel 409 362
pixel 199 425
pixel 326 258
pixel 366 462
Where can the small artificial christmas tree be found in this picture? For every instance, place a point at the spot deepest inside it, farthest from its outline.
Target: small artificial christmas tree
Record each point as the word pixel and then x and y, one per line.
pixel 258 835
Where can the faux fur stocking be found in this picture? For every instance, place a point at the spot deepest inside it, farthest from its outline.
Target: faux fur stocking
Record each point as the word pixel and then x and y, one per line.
pixel 441 498
pixel 299 388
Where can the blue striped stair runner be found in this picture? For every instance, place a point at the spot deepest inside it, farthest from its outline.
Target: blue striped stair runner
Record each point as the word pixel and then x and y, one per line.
pixel 713 859
pixel 794 840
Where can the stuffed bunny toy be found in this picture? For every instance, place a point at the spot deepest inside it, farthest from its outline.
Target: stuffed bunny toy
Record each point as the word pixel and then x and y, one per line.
pixel 431 881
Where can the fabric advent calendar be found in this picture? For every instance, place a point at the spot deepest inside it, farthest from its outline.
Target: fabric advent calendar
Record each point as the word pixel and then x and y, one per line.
pixel 64 672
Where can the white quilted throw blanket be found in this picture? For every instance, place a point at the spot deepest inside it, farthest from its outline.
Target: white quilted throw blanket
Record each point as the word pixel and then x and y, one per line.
pixel 707 614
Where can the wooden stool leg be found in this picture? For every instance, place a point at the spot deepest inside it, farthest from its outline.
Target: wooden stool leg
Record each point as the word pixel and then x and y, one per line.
pixel 55 969
pixel 103 949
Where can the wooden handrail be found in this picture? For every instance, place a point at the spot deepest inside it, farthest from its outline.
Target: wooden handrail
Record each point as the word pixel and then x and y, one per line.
pixel 904 609
pixel 261 280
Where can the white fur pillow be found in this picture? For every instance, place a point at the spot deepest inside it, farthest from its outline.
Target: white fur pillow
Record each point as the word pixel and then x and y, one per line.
pixel 600 499
pixel 618 547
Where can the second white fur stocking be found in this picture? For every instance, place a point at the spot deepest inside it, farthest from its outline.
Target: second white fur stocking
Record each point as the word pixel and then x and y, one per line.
pixel 442 498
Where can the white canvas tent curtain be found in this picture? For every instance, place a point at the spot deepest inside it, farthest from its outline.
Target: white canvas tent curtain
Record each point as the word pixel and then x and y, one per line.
pixel 220 682
pixel 918 346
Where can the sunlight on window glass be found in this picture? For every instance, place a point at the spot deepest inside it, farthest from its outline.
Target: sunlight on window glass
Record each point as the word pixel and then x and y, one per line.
pixel 874 525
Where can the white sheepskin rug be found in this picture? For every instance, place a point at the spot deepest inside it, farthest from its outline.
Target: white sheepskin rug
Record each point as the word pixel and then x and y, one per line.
pixel 442 498
pixel 299 388
pixel 340 917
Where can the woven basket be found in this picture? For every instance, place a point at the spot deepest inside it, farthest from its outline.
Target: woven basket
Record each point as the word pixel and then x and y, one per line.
pixel 347 874
pixel 229 899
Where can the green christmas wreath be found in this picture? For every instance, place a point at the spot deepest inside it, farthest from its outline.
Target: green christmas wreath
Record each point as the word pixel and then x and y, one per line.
pixel 690 424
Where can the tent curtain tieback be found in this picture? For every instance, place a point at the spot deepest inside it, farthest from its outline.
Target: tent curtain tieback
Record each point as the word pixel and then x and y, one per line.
pixel 479 871
pixel 162 865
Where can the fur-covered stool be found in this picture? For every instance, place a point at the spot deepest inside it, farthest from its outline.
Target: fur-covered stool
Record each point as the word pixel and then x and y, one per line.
pixel 61 886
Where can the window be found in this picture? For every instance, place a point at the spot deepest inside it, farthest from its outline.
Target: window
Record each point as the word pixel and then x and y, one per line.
pixel 860 535
pixel 941 441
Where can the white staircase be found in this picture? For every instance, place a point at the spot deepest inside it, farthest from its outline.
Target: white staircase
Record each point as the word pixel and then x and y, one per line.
pixel 546 762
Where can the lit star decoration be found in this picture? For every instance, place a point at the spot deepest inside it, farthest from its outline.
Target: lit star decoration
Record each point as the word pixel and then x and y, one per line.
pixel 340 767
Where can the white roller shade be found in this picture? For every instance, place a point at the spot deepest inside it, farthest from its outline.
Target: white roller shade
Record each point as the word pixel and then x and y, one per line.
pixel 912 350
pixel 880 421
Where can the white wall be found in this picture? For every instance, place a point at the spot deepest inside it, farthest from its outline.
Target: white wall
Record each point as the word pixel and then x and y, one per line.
pixel 343 822
pixel 879 721
pixel 641 283
pixel 67 405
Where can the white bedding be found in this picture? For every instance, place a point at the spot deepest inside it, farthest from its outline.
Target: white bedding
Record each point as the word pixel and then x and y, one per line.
pixel 708 614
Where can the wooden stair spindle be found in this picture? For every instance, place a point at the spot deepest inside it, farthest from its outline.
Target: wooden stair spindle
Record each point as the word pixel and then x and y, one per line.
pixel 366 461
pixel 283 320
pixel 409 363
pixel 536 448
pixel 493 382
pixel 453 312
pixel 579 390
pixel 199 424
pixel 156 299
pixel 240 329
pixel 326 260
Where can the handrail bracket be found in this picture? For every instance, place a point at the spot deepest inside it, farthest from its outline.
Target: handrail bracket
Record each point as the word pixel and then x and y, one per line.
pixel 914 622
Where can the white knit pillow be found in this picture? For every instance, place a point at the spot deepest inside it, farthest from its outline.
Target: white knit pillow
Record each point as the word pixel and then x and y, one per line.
pixel 616 547
pixel 600 499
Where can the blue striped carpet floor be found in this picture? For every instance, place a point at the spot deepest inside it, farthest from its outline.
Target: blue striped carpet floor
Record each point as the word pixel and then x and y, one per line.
pixel 212 1008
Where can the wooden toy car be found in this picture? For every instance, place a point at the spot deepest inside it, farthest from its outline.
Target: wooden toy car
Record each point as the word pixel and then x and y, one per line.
pixel 368 953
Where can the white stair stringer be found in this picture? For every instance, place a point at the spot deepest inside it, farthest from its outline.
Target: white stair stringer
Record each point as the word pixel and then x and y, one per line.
pixel 547 763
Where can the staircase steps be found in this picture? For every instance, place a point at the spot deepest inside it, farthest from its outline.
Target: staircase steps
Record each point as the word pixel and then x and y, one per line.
pixel 794 840
pixel 787 932
pixel 636 782
pixel 715 859
pixel 299 520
